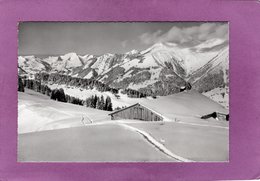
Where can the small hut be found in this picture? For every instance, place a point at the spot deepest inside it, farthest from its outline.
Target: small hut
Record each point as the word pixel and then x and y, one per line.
pixel 136 111
pixel 182 88
pixel 217 115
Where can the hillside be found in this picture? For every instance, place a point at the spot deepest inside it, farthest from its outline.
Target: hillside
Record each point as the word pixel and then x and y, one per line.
pixel 49 130
pixel 38 112
pixel 161 69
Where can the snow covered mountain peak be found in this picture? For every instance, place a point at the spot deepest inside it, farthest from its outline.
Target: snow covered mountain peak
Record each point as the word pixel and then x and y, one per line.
pixel 70 55
pixel 132 52
pixel 160 69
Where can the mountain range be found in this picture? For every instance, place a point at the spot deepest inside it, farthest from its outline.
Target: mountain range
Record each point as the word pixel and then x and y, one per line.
pixel 161 69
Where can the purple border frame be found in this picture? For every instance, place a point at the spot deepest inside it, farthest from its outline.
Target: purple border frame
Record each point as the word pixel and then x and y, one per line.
pixel 244 21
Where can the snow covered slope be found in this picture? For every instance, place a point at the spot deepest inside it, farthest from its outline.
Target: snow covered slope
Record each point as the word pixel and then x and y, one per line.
pixel 183 105
pixel 219 95
pixel 49 130
pixel 38 112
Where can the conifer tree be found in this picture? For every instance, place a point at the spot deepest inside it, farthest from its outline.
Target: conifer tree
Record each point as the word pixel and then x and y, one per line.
pixel 53 94
pixel 61 95
pixel 95 101
pixel 108 104
pixel 48 91
pixel 20 85
pixel 102 102
pixel 92 100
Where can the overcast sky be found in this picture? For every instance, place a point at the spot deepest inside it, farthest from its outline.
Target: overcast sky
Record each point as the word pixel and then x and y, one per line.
pixel 42 38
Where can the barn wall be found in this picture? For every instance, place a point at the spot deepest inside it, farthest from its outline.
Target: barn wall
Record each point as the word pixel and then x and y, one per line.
pixel 137 112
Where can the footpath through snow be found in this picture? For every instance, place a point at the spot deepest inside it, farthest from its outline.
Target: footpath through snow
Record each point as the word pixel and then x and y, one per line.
pixel 155 143
pixel 147 137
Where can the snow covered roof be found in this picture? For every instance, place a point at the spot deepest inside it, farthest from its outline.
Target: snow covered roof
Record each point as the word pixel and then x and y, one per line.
pixel 136 105
pixel 123 109
pixel 184 104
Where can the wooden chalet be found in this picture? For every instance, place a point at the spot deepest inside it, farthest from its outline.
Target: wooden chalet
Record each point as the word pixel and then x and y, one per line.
pixel 136 111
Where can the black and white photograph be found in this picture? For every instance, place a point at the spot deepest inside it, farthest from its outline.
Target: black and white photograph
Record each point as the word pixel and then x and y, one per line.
pixel 123 92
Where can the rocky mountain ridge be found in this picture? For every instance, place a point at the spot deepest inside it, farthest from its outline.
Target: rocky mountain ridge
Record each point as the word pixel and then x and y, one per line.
pixel 161 69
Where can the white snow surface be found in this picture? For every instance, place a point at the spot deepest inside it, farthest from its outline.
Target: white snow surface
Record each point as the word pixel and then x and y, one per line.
pixel 95 137
pixel 89 75
pixel 219 95
pixel 38 112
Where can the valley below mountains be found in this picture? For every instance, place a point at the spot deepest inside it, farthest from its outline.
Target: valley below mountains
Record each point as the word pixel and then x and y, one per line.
pixel 163 69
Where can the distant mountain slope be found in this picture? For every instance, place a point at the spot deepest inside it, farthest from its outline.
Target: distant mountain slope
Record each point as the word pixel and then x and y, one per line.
pixel 213 74
pixel 161 69
pixel 32 64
